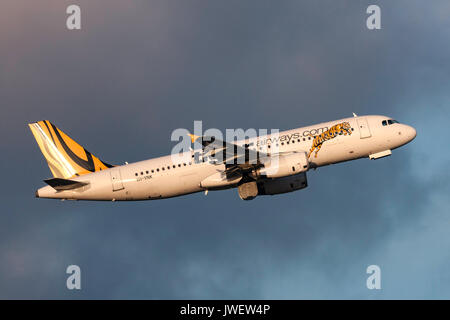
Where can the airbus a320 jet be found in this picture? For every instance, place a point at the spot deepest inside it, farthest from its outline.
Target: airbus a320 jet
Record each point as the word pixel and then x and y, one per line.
pixel 264 165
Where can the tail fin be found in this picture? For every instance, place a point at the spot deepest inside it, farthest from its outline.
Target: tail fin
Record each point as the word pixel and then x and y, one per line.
pixel 64 156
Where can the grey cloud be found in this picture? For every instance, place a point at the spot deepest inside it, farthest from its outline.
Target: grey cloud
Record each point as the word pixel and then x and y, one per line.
pixel 138 70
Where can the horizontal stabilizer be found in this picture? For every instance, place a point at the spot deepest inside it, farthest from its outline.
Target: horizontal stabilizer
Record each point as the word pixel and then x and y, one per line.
pixel 64 184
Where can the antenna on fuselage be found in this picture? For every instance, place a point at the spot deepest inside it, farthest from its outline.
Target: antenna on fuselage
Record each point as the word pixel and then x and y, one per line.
pixel 355 115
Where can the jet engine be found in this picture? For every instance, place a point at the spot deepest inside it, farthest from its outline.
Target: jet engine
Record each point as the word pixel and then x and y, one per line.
pixel 283 185
pixel 249 190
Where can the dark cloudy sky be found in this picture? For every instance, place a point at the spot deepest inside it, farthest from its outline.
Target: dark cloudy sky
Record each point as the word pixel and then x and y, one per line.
pixel 139 69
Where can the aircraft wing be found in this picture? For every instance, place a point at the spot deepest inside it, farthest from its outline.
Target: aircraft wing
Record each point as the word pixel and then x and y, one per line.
pixel 237 159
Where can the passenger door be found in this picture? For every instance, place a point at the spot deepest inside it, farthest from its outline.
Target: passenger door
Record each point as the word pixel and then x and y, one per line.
pixel 363 126
pixel 116 179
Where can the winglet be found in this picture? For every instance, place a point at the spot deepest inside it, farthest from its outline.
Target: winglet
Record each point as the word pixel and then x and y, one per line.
pixel 193 137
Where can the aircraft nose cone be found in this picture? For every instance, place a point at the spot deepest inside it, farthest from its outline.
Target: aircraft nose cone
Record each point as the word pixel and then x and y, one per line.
pixel 37 193
pixel 412 133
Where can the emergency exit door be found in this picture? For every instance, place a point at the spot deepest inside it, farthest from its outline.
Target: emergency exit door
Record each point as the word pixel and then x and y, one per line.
pixel 116 179
pixel 363 126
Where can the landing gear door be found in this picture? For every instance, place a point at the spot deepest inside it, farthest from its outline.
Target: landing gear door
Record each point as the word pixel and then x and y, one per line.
pixel 363 126
pixel 116 179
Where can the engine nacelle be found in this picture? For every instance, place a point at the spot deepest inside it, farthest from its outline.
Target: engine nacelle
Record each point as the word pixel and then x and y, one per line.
pixel 285 165
pixel 283 185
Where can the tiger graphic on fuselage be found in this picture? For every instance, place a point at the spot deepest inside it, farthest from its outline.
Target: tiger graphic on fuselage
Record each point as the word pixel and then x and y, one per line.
pixel 340 128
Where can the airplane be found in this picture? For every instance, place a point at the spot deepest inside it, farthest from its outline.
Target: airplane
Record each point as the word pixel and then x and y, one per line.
pixel 263 165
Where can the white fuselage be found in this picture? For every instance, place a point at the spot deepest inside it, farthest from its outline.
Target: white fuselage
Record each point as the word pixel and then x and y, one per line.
pixel 146 180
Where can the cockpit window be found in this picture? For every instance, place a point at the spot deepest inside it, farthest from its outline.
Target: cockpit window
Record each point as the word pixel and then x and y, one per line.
pixel 389 122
